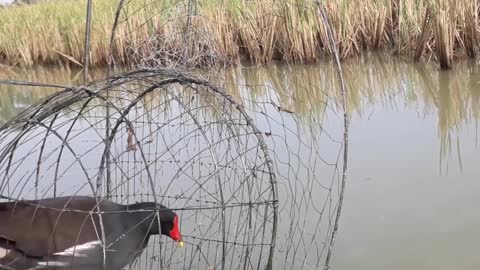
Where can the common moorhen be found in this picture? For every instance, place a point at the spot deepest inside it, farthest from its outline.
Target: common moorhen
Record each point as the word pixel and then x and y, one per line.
pixel 66 232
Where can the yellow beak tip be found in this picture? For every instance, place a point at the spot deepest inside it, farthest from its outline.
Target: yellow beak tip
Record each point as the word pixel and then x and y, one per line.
pixel 181 243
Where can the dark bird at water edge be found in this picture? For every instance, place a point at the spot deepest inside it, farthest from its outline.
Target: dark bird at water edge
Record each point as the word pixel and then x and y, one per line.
pixel 66 232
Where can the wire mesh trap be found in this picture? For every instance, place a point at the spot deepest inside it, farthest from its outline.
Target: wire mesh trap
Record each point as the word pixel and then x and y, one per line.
pixel 193 149
pixel 241 165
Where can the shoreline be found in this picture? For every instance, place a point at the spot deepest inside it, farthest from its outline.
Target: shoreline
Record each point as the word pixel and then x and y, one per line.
pixel 170 33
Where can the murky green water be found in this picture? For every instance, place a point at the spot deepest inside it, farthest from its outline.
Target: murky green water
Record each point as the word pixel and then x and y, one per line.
pixel 413 182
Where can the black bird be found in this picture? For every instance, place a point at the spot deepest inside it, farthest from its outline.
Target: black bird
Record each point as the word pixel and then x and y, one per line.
pixel 66 233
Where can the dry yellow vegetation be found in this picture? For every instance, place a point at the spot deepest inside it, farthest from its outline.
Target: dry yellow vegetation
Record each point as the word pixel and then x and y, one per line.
pixel 219 31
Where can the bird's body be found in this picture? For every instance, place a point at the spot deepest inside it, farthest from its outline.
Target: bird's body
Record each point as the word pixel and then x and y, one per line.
pixel 66 233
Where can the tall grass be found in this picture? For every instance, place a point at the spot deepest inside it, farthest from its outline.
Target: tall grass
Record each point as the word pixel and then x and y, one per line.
pixel 158 32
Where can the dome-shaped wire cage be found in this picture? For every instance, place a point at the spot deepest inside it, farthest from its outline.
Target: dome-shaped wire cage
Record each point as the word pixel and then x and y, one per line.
pixel 158 136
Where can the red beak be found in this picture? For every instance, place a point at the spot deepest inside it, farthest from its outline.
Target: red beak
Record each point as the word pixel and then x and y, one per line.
pixel 175 232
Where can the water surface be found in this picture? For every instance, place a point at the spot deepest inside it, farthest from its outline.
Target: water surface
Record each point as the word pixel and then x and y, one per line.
pixel 413 189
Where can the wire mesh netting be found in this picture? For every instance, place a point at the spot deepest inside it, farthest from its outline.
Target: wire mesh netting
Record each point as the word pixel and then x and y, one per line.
pixel 252 169
pixel 188 149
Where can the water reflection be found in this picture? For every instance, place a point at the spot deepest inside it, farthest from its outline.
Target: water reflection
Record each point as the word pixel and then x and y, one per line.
pixel 451 96
pixel 395 167
pixel 308 90
pixel 379 81
pixel 14 99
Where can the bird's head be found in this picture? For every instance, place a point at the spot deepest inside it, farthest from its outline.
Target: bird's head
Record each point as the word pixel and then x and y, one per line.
pixel 168 220
pixel 170 226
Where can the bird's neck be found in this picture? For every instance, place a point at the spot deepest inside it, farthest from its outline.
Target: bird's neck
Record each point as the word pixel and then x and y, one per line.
pixel 144 213
pixel 141 206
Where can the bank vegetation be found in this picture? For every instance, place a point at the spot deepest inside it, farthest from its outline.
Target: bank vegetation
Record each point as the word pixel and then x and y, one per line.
pixel 213 32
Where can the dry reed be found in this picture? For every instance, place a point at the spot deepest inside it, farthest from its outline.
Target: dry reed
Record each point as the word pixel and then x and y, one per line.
pixel 156 33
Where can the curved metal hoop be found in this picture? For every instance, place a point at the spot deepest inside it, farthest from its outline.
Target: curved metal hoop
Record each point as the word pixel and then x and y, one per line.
pixel 172 139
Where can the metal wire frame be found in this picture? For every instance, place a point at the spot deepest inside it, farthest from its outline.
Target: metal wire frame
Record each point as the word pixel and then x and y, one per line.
pixel 115 111
pixel 308 184
pixel 215 123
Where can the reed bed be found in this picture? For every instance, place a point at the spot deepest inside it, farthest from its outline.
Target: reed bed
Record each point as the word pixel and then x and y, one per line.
pixel 212 32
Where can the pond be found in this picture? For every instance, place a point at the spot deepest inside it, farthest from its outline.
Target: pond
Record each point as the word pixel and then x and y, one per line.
pixel 413 190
